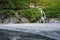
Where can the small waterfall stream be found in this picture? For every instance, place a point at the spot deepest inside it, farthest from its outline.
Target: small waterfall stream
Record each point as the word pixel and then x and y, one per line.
pixel 43 15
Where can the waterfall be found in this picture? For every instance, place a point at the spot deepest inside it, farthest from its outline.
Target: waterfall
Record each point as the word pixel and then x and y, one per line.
pixel 43 15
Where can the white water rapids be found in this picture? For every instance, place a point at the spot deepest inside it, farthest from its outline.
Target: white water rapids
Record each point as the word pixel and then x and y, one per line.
pixel 49 30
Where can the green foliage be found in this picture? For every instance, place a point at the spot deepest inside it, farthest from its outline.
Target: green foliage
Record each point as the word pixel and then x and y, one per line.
pixel 16 4
pixel 31 14
pixel 52 8
pixel 9 13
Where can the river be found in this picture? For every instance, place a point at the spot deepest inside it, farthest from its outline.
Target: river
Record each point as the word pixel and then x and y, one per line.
pixel 18 32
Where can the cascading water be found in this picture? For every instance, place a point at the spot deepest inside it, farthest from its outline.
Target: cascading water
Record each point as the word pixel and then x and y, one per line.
pixel 43 15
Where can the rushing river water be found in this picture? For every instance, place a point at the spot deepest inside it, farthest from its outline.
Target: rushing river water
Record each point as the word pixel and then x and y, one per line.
pixel 23 32
pixel 15 35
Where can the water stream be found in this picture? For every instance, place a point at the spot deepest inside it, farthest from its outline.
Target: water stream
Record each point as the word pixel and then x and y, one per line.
pixel 43 15
pixel 19 35
pixel 29 31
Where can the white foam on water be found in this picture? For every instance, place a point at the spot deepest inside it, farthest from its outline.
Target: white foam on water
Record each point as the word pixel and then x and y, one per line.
pixel 35 28
pixel 31 26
